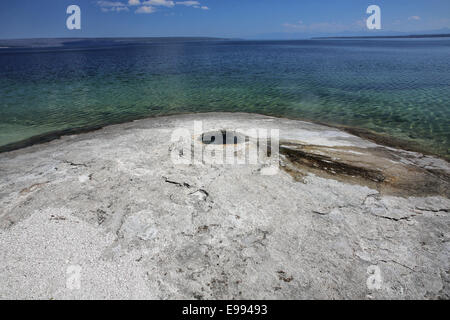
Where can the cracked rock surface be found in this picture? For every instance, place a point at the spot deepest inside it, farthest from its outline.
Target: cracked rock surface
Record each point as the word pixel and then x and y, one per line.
pixel 343 218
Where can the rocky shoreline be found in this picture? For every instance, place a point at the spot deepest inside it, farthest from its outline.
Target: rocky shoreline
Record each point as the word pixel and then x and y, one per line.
pixel 343 218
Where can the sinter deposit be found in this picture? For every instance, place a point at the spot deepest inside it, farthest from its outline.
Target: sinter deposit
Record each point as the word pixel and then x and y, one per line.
pixel 108 214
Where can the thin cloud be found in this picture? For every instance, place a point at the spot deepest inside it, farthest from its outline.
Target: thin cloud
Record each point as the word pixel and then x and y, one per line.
pixel 188 3
pixel 119 9
pixel 193 4
pixel 415 18
pixel 299 26
pixel 164 3
pixel 115 9
pixel 110 4
pixel 146 6
pixel 145 9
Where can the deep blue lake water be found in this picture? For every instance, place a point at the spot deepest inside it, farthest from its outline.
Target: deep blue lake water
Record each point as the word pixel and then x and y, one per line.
pixel 396 87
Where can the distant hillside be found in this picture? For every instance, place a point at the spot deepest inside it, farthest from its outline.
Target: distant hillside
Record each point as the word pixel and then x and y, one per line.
pixel 95 42
pixel 349 34
pixel 412 36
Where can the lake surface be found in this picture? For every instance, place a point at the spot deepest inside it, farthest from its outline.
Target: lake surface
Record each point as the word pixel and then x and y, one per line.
pixel 395 87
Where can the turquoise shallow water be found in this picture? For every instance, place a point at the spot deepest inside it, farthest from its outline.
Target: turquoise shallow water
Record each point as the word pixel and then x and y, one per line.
pixel 395 87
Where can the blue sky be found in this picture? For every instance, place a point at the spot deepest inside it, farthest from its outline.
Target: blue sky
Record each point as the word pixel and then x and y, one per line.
pixel 221 18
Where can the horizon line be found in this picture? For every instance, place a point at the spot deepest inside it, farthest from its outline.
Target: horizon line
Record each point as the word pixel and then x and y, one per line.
pixel 237 38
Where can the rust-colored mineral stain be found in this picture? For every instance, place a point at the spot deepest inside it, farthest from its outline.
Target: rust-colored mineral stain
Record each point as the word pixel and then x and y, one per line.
pixel 376 168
